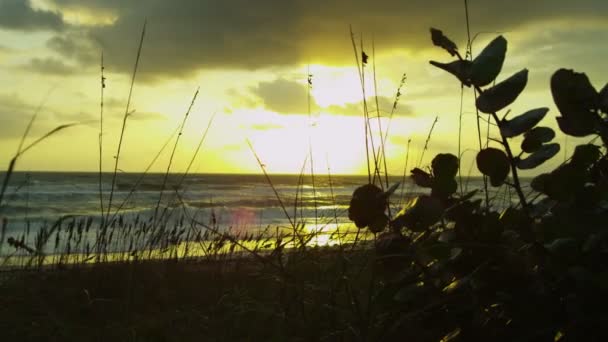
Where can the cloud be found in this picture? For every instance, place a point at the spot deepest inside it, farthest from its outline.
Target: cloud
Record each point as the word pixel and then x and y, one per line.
pixel 265 127
pixel 76 45
pixel 385 105
pixel 284 96
pixel 19 15
pixel 49 66
pixel 190 35
pixel 15 115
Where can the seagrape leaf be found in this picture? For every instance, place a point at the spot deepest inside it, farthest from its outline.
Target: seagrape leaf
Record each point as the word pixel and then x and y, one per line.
pixel 572 92
pixel 460 68
pixel 367 205
pixel 575 127
pixel 422 178
pixel 439 39
pixel 378 223
pixel 585 155
pixel 488 63
pixel 543 154
pixel 536 137
pixel 444 187
pixel 604 99
pixel 503 94
pixel 420 213
pixel 493 163
pixel 445 165
pixel 576 100
pixel 522 123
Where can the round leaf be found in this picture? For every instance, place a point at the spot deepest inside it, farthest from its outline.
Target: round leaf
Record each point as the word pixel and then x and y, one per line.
pixel 536 137
pixel 493 163
pixel 488 63
pixel 573 93
pixel 502 94
pixel 367 205
pixel 545 153
pixel 585 155
pixel 445 165
pixel 575 127
pixel 522 123
pixel 444 187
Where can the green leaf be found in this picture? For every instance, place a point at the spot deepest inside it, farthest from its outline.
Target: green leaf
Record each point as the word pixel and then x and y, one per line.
pixel 488 63
pixel 460 68
pixel 536 137
pixel 543 154
pixel 440 40
pixel 493 163
pixel 522 123
pixel 502 94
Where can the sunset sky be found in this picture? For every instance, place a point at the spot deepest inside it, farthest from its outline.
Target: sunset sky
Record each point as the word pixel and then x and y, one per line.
pixel 251 60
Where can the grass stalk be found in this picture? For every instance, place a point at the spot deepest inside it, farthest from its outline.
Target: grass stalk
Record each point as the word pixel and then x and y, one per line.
pixel 125 117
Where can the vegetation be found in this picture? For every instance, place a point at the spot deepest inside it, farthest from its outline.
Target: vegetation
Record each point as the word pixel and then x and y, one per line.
pixel 447 267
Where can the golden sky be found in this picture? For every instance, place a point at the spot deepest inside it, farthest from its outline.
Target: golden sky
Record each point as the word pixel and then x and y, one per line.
pixel 251 60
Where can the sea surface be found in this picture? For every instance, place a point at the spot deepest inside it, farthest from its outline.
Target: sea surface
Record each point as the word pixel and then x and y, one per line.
pixel 243 203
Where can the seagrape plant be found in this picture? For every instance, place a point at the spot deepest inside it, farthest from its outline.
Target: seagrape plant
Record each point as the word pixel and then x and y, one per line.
pixel 452 269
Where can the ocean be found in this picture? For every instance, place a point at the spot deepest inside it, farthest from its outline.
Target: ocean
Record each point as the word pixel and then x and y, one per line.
pixel 236 203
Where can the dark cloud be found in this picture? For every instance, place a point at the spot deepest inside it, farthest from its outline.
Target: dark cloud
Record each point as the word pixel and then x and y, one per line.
pixel 385 106
pixel 191 34
pixel 284 96
pixel 76 45
pixel 49 66
pixel 19 15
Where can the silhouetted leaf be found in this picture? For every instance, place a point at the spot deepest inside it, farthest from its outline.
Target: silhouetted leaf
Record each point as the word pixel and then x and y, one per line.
pixel 445 165
pixel 488 63
pixel 543 154
pixel 367 205
pixel 493 163
pixel 585 155
pixel 540 182
pixel 576 100
pixel 575 127
pixel 419 214
pixel 522 123
pixel 444 187
pixel 422 178
pixel 378 224
pixel 536 137
pixel 572 93
pixel 440 40
pixel 604 99
pixel 502 94
pixel 460 68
